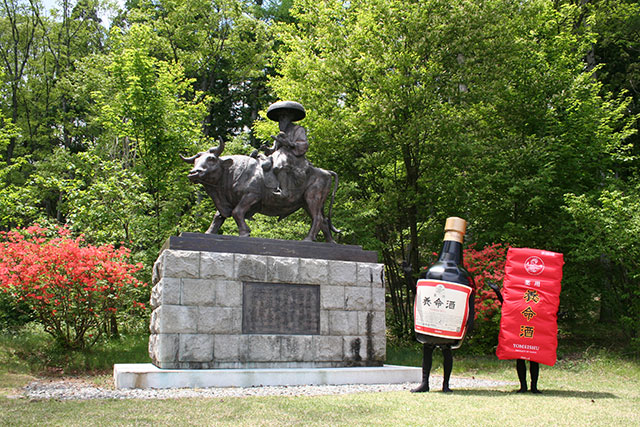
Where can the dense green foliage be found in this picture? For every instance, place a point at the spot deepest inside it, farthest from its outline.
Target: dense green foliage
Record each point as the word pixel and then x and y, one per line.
pixel 518 116
pixel 485 110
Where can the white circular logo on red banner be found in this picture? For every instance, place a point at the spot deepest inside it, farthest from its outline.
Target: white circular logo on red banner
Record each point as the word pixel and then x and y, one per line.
pixel 534 265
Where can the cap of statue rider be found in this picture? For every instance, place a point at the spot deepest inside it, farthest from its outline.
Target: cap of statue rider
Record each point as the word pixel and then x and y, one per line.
pixel 295 109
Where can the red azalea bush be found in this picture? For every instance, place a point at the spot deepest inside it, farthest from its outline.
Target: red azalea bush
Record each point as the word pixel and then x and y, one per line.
pixel 486 265
pixel 76 291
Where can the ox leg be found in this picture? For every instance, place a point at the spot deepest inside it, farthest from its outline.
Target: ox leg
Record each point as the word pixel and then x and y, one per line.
pixel 313 233
pixel 217 222
pixel 240 211
pixel 322 225
pixel 326 230
pixel 315 197
pixel 316 217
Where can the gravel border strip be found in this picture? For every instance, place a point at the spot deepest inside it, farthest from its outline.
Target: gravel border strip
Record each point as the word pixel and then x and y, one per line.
pixel 79 390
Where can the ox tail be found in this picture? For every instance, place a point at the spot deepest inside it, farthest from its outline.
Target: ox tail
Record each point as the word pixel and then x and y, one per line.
pixel 333 195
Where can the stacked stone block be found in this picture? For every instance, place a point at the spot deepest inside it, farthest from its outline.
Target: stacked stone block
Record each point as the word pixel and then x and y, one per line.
pixel 197 303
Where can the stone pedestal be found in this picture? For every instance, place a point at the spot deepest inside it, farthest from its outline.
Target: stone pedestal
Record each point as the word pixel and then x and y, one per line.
pixel 226 302
pixel 145 375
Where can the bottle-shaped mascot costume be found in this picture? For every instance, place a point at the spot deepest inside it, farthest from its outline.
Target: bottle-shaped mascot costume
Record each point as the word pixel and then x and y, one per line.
pixel 443 309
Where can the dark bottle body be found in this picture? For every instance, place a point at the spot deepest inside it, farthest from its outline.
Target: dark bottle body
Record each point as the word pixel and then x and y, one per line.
pixel 449 268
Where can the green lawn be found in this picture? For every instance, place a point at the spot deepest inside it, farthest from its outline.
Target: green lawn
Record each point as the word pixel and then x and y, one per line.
pixel 596 387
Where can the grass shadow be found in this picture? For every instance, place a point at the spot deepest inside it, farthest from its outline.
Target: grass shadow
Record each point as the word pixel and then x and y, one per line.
pixel 548 393
pixel 580 394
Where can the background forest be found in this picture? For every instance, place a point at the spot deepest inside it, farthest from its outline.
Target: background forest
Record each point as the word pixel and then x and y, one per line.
pixel 519 116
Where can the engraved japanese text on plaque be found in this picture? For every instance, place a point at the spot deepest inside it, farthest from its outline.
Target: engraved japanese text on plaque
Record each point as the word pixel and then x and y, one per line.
pixel 276 308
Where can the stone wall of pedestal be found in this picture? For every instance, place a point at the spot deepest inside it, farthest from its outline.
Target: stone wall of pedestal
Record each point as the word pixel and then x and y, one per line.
pixel 239 310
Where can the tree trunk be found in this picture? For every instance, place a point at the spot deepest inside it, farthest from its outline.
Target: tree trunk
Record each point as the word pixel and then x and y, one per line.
pixel 607 297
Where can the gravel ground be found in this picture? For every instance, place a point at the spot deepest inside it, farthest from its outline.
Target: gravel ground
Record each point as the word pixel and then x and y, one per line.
pixel 74 389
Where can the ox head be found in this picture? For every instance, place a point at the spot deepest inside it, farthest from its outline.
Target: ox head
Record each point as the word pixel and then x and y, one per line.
pixel 207 165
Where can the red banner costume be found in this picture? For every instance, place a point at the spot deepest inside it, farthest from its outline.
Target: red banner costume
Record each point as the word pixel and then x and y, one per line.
pixel 531 292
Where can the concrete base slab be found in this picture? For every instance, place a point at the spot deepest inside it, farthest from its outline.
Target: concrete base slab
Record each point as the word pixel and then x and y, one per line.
pixel 146 375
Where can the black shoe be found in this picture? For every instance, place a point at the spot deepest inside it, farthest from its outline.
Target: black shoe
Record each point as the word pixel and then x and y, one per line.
pixel 424 387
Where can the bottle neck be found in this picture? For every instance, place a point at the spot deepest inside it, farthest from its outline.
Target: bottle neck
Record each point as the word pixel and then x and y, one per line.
pixel 451 251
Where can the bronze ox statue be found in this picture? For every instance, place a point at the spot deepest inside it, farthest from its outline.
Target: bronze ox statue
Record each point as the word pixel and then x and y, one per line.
pixel 241 186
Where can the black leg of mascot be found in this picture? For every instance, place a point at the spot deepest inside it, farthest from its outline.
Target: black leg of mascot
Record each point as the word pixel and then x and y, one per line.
pixel 521 367
pixel 427 359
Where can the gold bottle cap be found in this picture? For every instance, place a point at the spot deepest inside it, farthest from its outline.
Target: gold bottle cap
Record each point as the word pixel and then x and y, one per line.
pixel 454 229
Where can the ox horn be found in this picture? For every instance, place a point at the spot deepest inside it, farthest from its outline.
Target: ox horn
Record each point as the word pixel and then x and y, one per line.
pixel 191 159
pixel 217 150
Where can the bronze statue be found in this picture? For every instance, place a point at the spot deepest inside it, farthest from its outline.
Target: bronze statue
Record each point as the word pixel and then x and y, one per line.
pixel 275 185
pixel 287 155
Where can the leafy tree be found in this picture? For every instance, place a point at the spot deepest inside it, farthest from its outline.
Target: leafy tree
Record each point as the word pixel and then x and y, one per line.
pixel 15 201
pixel 601 245
pixel 142 104
pixel 38 52
pixel 70 33
pixel 609 224
pixel 112 207
pixel 222 47
pixel 7 131
pixel 18 29
pixel 484 111
pixel 616 53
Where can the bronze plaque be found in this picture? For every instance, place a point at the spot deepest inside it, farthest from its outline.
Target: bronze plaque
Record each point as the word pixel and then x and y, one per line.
pixel 276 308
